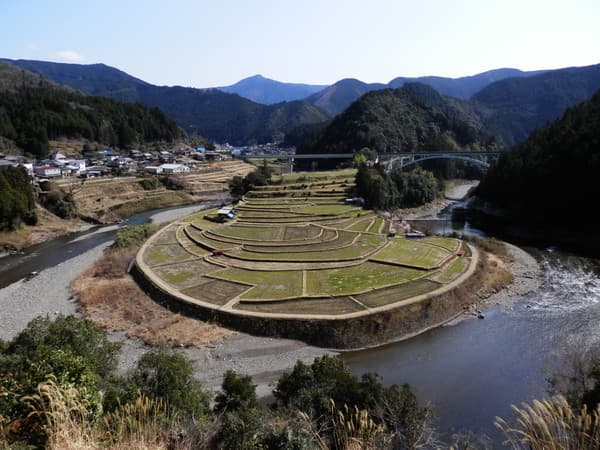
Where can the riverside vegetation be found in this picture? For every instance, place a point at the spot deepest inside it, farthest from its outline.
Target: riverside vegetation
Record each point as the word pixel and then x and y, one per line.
pixel 59 390
pixel 553 173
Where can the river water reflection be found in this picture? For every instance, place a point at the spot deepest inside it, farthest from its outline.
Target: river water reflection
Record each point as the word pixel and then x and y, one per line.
pixel 473 371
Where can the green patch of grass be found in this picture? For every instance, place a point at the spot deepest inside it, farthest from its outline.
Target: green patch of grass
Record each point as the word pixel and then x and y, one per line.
pixel 349 280
pixel 453 269
pixel 199 220
pixel 285 220
pixel 167 235
pixel 201 239
pixel 170 253
pixel 376 226
pixel 187 243
pixel 294 233
pixel 363 245
pixel 361 225
pixel 319 210
pixel 304 177
pixel 261 213
pixel 267 285
pixel 343 239
pixel 412 253
pixel 185 274
pixel 256 233
pixel 449 244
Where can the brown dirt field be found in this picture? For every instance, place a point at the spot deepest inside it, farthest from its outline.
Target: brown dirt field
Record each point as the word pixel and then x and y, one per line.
pixel 110 297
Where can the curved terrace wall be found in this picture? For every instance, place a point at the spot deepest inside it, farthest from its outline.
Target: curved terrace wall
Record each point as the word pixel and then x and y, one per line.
pixel 347 285
pixel 351 331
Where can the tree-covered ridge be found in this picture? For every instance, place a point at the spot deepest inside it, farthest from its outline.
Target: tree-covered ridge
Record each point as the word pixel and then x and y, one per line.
pixel 31 116
pixel 92 79
pixel 514 107
pixel 217 115
pixel 554 171
pixel 412 118
pixel 13 78
pixel 16 198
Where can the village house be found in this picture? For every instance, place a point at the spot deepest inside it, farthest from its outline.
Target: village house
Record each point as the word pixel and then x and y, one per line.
pixel 47 171
pixel 174 168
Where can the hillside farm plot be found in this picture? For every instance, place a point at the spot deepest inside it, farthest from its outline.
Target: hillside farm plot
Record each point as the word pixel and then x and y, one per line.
pixel 265 285
pixel 251 232
pixel 166 254
pixel 187 274
pixel 298 253
pixel 357 279
pixel 412 254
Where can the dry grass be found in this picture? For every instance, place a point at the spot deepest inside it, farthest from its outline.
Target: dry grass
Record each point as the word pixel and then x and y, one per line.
pixel 145 424
pixel 112 299
pixel 49 226
pixel 496 275
pixel 492 245
pixel 351 429
pixel 552 425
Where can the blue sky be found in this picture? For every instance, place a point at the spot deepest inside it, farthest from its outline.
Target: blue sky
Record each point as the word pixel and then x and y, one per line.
pixel 217 42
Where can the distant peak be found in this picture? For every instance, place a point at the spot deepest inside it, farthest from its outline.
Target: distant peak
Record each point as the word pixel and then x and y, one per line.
pixel 258 76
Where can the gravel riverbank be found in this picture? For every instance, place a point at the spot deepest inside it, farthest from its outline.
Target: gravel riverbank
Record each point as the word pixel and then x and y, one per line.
pixel 48 294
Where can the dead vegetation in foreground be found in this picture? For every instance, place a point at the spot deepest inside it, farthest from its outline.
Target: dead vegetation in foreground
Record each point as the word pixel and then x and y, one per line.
pixel 112 299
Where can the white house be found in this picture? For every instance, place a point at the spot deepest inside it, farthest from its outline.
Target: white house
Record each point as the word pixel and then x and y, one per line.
pixel 155 170
pixel 47 171
pixel 174 168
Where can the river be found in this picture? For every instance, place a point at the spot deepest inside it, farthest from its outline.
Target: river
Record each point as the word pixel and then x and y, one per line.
pixel 469 372
pixel 473 371
pixel 53 252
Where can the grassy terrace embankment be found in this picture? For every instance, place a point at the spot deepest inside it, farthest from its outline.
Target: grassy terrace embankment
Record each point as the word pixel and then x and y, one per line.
pixel 297 261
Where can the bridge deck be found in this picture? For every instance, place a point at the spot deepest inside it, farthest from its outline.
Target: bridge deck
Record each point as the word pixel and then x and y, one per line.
pixel 381 155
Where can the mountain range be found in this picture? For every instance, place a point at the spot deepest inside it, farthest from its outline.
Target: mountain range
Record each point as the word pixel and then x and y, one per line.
pixel 337 97
pixel 34 110
pixel 214 114
pixel 340 95
pixel 505 103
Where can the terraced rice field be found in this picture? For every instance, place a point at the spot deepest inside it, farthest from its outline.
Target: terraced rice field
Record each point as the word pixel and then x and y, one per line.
pixel 297 249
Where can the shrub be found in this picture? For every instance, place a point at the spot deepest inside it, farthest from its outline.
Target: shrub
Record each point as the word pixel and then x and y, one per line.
pixel 150 183
pixel 73 351
pixel 237 392
pixel 129 236
pixel 30 218
pixel 165 374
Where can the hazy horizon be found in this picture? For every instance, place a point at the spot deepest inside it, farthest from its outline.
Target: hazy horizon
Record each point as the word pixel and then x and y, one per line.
pixel 209 45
